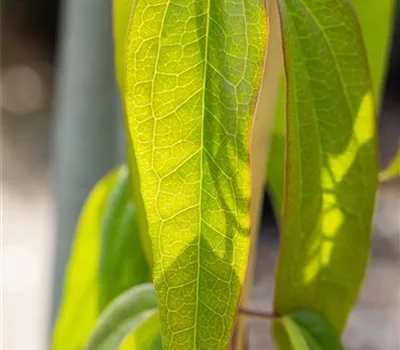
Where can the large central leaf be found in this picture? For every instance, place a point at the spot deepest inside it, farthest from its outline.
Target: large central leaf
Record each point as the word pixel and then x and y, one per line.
pixel 193 70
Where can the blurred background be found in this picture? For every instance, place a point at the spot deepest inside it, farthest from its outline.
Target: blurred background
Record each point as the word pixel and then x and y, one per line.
pixel 61 131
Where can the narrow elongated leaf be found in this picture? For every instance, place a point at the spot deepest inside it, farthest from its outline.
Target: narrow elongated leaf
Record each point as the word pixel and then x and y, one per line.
pixel 121 13
pixel 122 262
pixel 304 330
pixel 193 71
pixel 392 171
pixel 106 245
pixel 318 329
pixel 147 336
pixel 123 316
pixel 331 163
pixel 295 335
pixel 79 308
pixel 376 21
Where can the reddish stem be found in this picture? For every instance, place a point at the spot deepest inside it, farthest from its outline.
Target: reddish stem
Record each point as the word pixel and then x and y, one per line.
pixel 259 314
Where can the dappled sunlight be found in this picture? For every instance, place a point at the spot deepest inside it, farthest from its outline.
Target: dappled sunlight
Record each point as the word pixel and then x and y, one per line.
pixel 331 164
pixel 331 221
pixel 363 131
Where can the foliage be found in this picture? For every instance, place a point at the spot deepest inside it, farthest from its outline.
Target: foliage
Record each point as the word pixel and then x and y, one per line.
pixel 106 245
pixel 190 75
pixel 304 330
pixel 375 19
pixel 331 161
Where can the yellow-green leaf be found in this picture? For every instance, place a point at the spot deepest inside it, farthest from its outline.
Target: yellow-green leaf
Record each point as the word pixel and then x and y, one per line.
pixel 294 334
pixel 122 262
pixel 193 71
pixel 106 245
pixel 133 311
pixel 121 15
pixel 376 21
pixel 331 163
pixel 147 335
pixel 80 289
pixel 392 171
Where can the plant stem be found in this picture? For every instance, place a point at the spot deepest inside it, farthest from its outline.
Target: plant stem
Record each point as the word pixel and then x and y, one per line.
pixel 260 314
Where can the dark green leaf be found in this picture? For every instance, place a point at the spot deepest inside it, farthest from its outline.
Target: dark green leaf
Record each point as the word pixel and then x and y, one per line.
pixel 376 20
pixel 304 330
pixel 331 161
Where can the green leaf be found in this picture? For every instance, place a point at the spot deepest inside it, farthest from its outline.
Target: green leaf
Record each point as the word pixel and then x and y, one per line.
pixel 392 171
pixel 80 288
pixel 121 255
pixel 294 334
pixel 331 161
pixel 147 335
pixel 121 14
pixel 193 70
pixel 260 141
pixel 305 330
pixel 106 224
pixel 134 310
pixel 376 21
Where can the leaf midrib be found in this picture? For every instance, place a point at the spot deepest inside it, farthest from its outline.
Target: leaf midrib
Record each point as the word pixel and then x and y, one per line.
pixel 201 173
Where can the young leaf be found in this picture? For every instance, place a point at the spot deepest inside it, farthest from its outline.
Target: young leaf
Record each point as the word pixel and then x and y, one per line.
pixel 331 163
pixel 107 218
pixel 376 20
pixel 121 254
pixel 147 335
pixel 305 330
pixel 294 334
pixel 392 171
pixel 74 323
pixel 193 71
pixel 134 309
pixel 318 329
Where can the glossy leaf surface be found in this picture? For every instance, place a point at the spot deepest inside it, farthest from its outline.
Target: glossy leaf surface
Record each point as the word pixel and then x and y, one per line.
pixel 106 245
pixel 376 21
pixel 193 70
pixel 331 163
pixel 134 310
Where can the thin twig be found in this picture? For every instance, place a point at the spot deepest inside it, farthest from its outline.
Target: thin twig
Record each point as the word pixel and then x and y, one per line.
pixel 260 314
